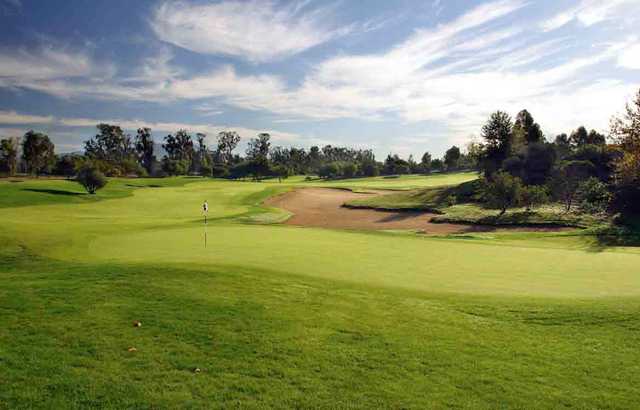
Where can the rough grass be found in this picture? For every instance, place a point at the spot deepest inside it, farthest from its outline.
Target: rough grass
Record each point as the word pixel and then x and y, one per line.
pixel 459 204
pixel 291 317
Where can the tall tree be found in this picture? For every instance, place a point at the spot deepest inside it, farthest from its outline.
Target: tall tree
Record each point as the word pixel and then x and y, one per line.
pixel 111 145
pixel 562 145
pixel 258 149
pixel 579 137
pixel 179 146
pixel 425 162
pixel 497 135
pixel 227 142
pixel 37 152
pixel 525 131
pixel 9 155
pixel 144 148
pixel 626 132
pixel 452 157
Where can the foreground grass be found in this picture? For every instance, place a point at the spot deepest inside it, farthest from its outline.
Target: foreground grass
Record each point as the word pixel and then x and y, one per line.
pixel 290 317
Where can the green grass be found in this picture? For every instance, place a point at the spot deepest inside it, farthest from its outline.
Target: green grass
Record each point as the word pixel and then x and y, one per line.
pixel 278 316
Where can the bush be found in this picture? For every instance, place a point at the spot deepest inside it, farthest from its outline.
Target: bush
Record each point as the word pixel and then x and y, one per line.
pixel 594 196
pixel 534 195
pixel 175 167
pixel 349 170
pixel 331 170
pixel 91 179
pixel 370 169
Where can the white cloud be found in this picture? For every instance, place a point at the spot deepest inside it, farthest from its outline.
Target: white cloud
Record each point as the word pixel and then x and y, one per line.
pixel 590 12
pixel 630 57
pixel 253 30
pixel 12 117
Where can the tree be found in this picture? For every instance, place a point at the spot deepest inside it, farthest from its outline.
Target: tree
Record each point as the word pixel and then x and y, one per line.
pixel 179 149
pixel 227 142
pixel 567 179
pixel 579 137
pixel 437 164
pixel 67 164
pixel 562 146
pixel 425 163
pixel 111 145
pixel 282 172
pixel 201 160
pixel 258 148
pixel 539 160
pixel 349 170
pixel 625 130
pixel 37 152
pixel 594 195
pixel 370 169
pixel 144 149
pixel 533 196
pixel 452 157
pixel 9 155
pixel 525 131
pixel 497 135
pixel 330 170
pixel 503 191
pixel 91 178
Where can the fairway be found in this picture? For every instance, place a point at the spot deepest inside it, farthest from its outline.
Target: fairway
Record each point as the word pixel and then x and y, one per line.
pixel 277 315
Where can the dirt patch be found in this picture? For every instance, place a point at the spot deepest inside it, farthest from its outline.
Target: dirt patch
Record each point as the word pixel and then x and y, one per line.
pixel 322 208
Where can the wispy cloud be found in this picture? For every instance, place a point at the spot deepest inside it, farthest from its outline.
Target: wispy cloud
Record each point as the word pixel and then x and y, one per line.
pixel 253 30
pixel 588 13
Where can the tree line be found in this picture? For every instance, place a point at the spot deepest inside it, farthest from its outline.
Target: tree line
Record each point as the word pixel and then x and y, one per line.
pixel 583 169
pixel 114 153
pixel 520 166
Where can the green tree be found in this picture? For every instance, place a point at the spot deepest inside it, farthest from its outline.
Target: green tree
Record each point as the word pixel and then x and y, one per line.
pixel 503 191
pixel 626 132
pixel 179 149
pixel 452 158
pixel 91 178
pixel 567 178
pixel 425 162
pixel 497 133
pixel 144 148
pixel 227 142
pixel 579 137
pixel 534 195
pixel 37 152
pixel 525 131
pixel 111 145
pixel 594 195
pixel 9 155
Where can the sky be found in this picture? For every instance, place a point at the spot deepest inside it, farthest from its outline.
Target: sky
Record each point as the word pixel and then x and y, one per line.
pixel 402 76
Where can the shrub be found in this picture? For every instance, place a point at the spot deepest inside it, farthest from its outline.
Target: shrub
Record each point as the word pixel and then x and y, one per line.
pixel 91 178
pixel 331 170
pixel 534 195
pixel 349 170
pixel 594 196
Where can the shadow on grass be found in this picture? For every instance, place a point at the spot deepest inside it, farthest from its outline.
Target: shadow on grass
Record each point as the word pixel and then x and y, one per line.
pixel 54 191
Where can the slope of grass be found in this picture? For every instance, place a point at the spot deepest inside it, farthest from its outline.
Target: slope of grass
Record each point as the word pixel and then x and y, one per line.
pixel 277 316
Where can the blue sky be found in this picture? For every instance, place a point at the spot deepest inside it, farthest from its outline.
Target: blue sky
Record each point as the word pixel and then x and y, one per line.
pixel 403 76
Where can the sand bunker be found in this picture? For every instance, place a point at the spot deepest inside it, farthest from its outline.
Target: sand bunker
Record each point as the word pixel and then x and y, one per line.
pixel 322 208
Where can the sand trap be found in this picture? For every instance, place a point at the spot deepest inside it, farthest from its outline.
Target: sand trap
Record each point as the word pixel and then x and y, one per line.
pixel 322 207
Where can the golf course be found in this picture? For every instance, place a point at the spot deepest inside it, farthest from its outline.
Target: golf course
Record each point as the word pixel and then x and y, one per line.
pixel 114 300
